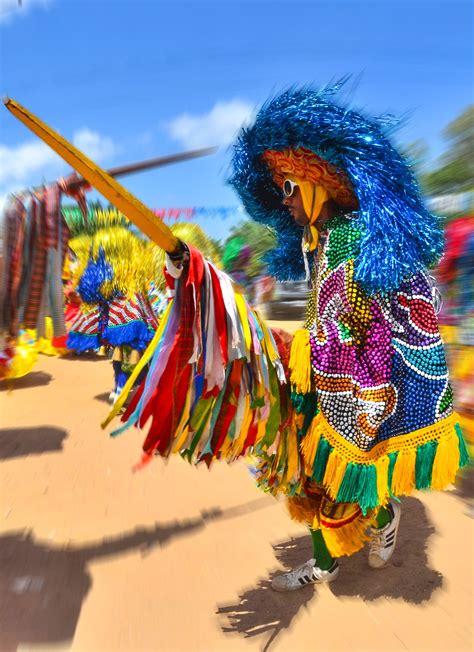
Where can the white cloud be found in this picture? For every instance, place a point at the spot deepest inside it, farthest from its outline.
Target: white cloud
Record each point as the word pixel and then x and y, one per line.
pixel 94 145
pixel 33 162
pixel 21 162
pixel 217 127
pixel 10 9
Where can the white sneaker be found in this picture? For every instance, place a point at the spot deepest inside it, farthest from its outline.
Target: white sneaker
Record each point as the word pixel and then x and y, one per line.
pixel 382 542
pixel 305 574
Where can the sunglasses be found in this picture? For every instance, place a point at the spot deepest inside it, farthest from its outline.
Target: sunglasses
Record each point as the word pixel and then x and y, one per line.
pixel 289 187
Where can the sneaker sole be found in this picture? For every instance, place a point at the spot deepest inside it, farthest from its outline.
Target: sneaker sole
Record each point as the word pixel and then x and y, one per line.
pixel 376 563
pixel 303 586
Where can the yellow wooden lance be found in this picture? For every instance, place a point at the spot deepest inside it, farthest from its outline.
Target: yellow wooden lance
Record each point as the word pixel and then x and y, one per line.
pixel 111 189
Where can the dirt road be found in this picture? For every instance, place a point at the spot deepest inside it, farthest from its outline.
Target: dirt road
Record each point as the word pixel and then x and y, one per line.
pixel 96 558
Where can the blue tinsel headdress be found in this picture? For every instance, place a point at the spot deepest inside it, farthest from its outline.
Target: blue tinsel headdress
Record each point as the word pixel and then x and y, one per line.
pixel 95 274
pixel 400 236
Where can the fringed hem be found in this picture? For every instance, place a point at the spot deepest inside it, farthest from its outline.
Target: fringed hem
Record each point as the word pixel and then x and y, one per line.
pixel 435 456
pixel 81 342
pixel 347 539
pixel 407 442
pixel 135 334
pixel 343 536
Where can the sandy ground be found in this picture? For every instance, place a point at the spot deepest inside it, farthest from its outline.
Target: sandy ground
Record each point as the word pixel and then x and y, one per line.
pixel 95 558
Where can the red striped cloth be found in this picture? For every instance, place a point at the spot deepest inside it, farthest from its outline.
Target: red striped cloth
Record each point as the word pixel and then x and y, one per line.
pixel 86 323
pixel 127 309
pixel 13 247
pixel 38 274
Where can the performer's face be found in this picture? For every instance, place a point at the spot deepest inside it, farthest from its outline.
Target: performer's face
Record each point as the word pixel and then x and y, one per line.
pixel 294 203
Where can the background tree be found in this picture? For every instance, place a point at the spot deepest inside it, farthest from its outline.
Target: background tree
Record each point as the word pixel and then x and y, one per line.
pixel 456 170
pixel 258 238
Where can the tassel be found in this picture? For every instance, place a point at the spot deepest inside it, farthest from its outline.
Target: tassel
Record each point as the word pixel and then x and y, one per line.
pixel 381 466
pixel 300 362
pixel 425 455
pixel 403 481
pixel 334 474
pixel 446 462
pixel 349 485
pixel 309 445
pixel 367 496
pixel 391 465
pixel 463 454
pixel 322 454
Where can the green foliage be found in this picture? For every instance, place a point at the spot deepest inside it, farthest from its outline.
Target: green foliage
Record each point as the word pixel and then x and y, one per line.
pixel 259 238
pixel 456 170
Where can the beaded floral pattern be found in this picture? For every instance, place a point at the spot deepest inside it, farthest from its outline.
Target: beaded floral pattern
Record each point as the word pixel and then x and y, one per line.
pixel 378 361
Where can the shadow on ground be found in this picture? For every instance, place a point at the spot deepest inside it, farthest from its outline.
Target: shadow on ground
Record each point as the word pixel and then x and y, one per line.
pixel 103 398
pixel 262 611
pixel 42 586
pixel 33 379
pixel 19 442
pixel 88 356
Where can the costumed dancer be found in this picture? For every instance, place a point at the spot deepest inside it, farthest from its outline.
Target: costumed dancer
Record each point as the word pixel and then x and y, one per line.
pixel 123 290
pixel 368 372
pixel 366 415
pixel 114 277
pixel 31 295
pixel 371 416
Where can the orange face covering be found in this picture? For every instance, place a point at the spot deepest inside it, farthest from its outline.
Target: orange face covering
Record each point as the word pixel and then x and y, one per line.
pixel 313 197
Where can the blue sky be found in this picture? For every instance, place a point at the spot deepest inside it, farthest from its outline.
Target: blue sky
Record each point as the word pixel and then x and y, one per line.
pixel 128 80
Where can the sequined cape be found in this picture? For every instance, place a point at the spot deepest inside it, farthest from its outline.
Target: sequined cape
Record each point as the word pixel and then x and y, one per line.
pixel 378 361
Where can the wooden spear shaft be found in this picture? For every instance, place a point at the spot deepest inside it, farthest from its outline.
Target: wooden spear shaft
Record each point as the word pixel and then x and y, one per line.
pixel 132 168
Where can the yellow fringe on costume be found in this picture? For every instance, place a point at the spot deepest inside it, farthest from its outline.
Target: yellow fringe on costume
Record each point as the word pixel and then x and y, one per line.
pixel 403 481
pixel 443 429
pixel 304 510
pixel 334 473
pixel 345 539
pixel 444 470
pixel 300 362
pixel 309 445
pixel 382 478
pixel 445 466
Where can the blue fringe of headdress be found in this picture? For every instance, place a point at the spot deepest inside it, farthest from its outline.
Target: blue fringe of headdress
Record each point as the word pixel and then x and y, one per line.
pixel 400 236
